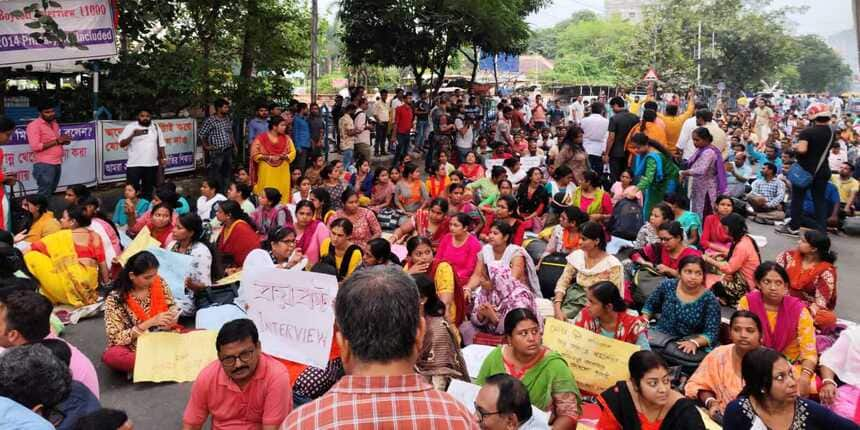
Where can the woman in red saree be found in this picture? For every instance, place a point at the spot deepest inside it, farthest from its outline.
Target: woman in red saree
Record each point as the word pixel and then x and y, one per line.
pixel 813 276
pixel 431 223
pixel 271 155
pixel 471 169
pixel 606 314
pixel 238 236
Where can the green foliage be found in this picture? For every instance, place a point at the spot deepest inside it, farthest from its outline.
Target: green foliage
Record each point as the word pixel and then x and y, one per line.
pixel 819 67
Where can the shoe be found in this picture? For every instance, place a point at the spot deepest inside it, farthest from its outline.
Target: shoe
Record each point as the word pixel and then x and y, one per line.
pixel 788 231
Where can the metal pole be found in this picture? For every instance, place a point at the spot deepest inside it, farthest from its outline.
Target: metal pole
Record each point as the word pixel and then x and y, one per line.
pixel 699 59
pixel 95 90
pixel 314 48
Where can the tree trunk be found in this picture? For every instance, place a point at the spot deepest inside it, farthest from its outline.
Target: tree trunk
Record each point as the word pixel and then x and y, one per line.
pixel 247 67
pixel 474 61
pixel 419 78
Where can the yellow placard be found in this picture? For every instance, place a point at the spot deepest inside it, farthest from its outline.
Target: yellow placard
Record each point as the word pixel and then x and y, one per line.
pixel 176 357
pixel 227 280
pixel 597 362
pixel 141 242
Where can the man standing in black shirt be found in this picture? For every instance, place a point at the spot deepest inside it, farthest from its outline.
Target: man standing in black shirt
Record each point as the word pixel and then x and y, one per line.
pixel 811 150
pixel 619 126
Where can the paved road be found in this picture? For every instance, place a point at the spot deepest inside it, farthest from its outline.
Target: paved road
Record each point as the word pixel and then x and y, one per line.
pixel 160 406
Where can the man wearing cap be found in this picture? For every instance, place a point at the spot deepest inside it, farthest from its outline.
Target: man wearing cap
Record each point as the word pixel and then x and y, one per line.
pixel 812 146
pixel 43 135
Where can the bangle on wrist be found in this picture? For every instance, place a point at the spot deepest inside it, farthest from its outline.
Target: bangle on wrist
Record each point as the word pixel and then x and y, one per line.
pixel 695 342
pixel 808 371
pixel 829 381
pixel 708 402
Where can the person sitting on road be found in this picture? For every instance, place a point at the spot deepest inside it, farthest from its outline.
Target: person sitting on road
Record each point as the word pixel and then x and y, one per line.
pixel 243 388
pixel 503 403
pixel 33 383
pixel 768 194
pixel 105 419
pixel 660 214
pixel 718 380
pixel 25 317
pixel 606 314
pixel 812 275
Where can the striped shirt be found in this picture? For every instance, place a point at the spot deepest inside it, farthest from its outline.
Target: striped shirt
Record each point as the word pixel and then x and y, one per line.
pixel 217 132
pixel 404 402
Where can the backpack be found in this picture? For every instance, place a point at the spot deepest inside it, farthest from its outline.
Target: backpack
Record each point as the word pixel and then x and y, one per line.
pixel 626 219
pixel 549 271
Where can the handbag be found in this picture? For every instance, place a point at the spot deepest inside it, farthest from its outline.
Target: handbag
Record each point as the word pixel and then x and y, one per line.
pixel 667 346
pixel 800 177
pixel 216 296
pixel 21 218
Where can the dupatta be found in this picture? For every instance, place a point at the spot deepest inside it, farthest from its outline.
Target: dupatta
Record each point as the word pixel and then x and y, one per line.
pixel 308 235
pixel 788 316
pixel 719 166
pixel 267 147
pixel 548 376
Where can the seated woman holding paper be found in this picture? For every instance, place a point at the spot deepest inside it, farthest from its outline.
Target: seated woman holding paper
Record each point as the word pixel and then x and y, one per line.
pixel 718 380
pixel 140 302
pixel 545 373
pixel 606 314
pixel 647 400
pixel 310 232
pixel 689 322
pixel 787 324
pixel 585 267
pixel 440 359
pixel 69 263
pixel 189 239
pixel 504 279
pixel 338 250
pixel 238 235
pixel 281 245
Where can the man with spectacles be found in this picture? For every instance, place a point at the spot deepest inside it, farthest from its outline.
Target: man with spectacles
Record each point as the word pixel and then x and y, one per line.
pixel 244 389
pixel 503 404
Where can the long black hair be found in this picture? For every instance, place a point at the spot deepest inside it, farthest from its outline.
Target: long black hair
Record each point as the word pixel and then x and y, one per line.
pixel 642 139
pixel 192 222
pixel 821 243
pixel 325 199
pixel 757 372
pixel 138 264
pixel 737 228
pixel 607 294
pixel 380 249
pixel 433 307
pixel 233 210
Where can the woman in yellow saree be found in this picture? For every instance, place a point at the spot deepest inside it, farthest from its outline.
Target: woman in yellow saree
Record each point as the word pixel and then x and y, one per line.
pixel 69 263
pixel 271 155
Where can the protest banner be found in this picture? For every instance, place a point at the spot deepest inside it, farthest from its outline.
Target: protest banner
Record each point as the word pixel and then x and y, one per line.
pixel 293 311
pixel 173 267
pixel 90 21
pixel 597 362
pixel 179 136
pixel 173 357
pixel 490 162
pixel 527 163
pixel 79 157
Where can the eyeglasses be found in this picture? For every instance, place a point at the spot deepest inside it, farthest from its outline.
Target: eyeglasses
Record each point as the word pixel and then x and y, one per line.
pixel 245 356
pixel 481 414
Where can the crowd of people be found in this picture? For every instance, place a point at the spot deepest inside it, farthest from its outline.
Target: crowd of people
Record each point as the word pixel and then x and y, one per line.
pixel 631 224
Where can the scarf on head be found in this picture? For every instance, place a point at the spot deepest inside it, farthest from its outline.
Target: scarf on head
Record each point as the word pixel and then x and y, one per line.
pixel 719 166
pixel 787 318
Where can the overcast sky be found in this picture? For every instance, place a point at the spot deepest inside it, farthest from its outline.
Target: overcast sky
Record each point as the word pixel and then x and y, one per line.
pixel 822 20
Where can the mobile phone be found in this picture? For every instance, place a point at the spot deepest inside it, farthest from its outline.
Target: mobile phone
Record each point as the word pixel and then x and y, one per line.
pixel 145 130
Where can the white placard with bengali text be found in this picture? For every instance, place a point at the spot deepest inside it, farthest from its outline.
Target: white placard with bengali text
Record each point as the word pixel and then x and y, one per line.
pixel 293 311
pixel 79 157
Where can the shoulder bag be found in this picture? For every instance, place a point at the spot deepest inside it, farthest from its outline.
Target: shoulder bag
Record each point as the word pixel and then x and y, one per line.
pixel 800 177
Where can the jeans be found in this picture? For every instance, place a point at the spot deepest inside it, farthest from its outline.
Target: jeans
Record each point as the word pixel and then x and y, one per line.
pixel 145 178
pixel 616 166
pixel 301 159
pixel 402 148
pixel 819 188
pixel 381 138
pixel 596 163
pixel 421 130
pixel 221 167
pixel 47 178
pixel 346 157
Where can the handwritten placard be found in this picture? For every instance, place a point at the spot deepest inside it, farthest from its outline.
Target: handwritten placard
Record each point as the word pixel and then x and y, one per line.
pixel 293 311
pixel 141 242
pixel 597 362
pixel 177 357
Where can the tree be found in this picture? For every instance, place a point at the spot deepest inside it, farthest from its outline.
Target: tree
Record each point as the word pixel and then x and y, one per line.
pixel 819 67
pixel 424 35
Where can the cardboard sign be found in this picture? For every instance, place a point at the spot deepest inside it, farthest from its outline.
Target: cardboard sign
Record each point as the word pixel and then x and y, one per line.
pixel 141 242
pixel 597 362
pixel 293 311
pixel 177 357
pixel 173 267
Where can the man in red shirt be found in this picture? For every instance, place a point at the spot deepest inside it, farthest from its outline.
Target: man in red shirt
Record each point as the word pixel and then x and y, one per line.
pixel 403 117
pixel 244 389
pixel 43 135
pixel 380 335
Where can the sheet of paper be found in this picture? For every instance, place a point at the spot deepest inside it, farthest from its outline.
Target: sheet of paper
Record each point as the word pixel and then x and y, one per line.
pixel 214 317
pixel 466 393
pixel 141 242
pixel 293 311
pixel 474 355
pixel 176 357
pixel 597 362
pixel 173 267
pixel 227 280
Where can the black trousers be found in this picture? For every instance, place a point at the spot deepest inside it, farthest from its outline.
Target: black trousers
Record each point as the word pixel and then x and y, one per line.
pixel 144 178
